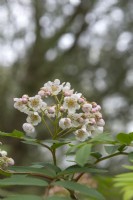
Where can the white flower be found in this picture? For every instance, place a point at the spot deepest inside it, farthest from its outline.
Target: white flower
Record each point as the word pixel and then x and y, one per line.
pixel 28 128
pixel 33 118
pixel 76 119
pixel 54 87
pixel 20 105
pixel 87 107
pixel 82 134
pixel 35 102
pixel 65 123
pixel 3 153
pixel 71 104
pixel 67 89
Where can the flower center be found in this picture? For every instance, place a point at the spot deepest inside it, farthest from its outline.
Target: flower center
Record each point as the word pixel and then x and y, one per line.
pixel 71 103
pixel 35 103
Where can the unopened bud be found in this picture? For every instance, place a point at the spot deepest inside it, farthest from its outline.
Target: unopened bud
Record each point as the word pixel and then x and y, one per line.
pixel 10 161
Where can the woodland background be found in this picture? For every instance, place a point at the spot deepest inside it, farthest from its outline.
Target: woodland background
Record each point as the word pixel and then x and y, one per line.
pixel 88 43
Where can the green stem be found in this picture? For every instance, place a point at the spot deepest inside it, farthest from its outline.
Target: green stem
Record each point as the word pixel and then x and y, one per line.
pixel 101 159
pixel 110 156
pixel 47 126
pixel 72 195
pixel 68 132
pixel 46 146
pixel 54 156
pixel 33 174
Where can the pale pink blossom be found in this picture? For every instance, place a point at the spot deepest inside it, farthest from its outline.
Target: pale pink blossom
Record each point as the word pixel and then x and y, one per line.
pixel 33 118
pixel 35 103
pixel 87 107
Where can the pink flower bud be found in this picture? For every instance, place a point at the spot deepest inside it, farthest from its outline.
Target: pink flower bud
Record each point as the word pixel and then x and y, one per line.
pixel 51 110
pixel 98 107
pixel 10 161
pixel 87 107
pixel 62 109
pixel 94 110
pixel 81 100
pixel 25 96
pixel 92 121
pixel 24 100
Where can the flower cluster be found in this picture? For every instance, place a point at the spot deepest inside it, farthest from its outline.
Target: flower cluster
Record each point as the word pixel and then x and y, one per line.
pixel 69 111
pixel 4 160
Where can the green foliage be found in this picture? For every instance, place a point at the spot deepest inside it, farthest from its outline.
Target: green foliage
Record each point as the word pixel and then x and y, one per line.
pixel 22 180
pixel 124 138
pixel 80 188
pixel 125 182
pixel 46 174
pixel 106 187
pixel 83 153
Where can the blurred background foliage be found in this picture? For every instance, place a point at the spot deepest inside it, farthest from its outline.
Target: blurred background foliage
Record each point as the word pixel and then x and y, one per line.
pixel 86 42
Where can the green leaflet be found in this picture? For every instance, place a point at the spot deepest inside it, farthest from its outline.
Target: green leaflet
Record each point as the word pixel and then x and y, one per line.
pixel 22 180
pixel 83 154
pixel 42 171
pixel 82 189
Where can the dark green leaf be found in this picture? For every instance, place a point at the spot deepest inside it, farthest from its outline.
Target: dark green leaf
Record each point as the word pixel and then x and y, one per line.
pixel 124 138
pixel 22 180
pixel 73 148
pixel 111 149
pixel 59 144
pixel 122 147
pixel 83 154
pixel 15 134
pixel 80 188
pixel 47 166
pixel 23 197
pixel 43 171
pixel 101 138
pixel 96 155
pixel 31 141
pixel 77 169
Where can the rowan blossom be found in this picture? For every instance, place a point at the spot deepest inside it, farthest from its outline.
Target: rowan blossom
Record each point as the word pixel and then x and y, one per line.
pixel 33 118
pixel 82 134
pixel 54 87
pixel 71 103
pixel 35 103
pixel 20 105
pixel 64 107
